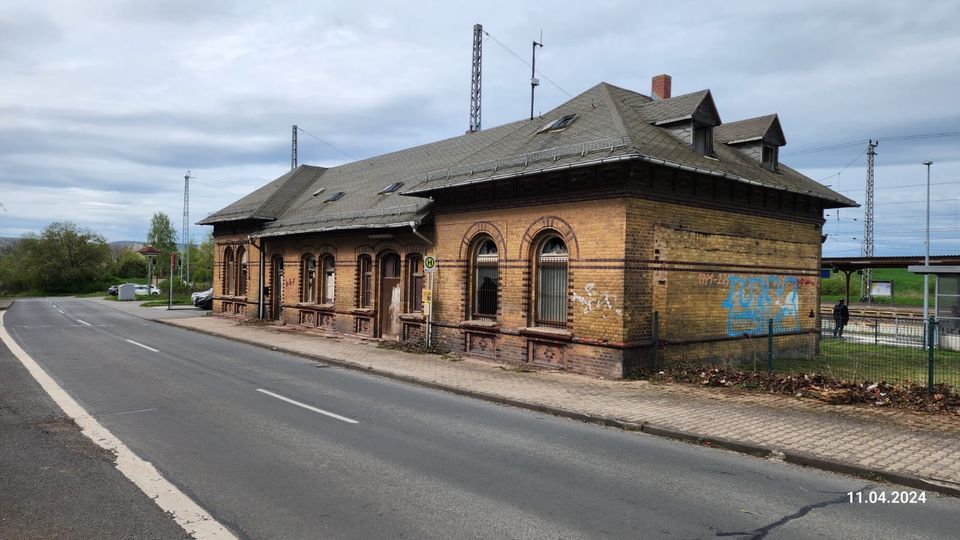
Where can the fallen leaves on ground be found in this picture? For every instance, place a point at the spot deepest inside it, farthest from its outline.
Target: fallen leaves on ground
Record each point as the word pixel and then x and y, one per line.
pixel 944 399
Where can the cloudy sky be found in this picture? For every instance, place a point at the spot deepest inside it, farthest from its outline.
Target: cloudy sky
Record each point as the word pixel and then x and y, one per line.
pixel 105 104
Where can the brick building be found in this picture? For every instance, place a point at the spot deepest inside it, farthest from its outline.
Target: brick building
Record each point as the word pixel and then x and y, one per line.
pixel 557 239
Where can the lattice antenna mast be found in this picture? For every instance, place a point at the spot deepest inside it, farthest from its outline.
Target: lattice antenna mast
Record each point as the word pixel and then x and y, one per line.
pixel 293 147
pixel 475 78
pixel 185 232
pixel 866 280
pixel 534 81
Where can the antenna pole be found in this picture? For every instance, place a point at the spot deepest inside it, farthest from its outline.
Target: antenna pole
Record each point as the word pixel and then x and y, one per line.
pixel 293 147
pixel 534 82
pixel 475 79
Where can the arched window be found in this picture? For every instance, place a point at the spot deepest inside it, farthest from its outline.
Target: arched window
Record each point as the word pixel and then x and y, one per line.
pixel 229 271
pixel 365 275
pixel 308 273
pixel 551 289
pixel 329 280
pixel 242 279
pixel 486 277
pixel 415 273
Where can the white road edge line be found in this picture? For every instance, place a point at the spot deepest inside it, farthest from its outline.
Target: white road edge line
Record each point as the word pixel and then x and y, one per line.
pixel 83 322
pixel 308 407
pixel 141 345
pixel 188 514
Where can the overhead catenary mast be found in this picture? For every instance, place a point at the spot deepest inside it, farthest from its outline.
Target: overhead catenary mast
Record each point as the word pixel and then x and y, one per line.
pixel 475 79
pixel 866 279
pixel 185 232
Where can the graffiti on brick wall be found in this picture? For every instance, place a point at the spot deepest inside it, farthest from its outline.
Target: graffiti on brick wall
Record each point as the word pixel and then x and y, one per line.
pixel 595 301
pixel 753 300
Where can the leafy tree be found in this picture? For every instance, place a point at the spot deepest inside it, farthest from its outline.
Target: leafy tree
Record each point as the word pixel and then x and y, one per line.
pixel 201 260
pixel 162 236
pixel 62 258
pixel 128 263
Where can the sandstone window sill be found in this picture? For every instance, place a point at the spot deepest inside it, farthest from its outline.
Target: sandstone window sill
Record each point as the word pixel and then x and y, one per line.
pixel 560 334
pixel 413 317
pixel 480 325
pixel 365 312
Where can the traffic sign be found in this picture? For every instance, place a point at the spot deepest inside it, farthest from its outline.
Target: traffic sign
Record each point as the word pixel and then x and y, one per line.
pixel 429 264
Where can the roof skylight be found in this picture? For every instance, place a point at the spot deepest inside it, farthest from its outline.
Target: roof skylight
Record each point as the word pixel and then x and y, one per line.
pixel 560 123
pixel 391 188
pixel 335 197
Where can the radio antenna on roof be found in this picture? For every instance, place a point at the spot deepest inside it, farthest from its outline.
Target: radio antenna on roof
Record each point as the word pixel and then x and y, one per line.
pixel 534 82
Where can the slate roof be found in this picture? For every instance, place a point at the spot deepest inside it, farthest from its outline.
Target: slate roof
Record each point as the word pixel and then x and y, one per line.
pixel 612 124
pixel 762 127
pixel 683 107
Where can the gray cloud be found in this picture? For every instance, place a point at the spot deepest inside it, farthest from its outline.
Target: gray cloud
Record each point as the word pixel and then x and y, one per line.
pixel 106 103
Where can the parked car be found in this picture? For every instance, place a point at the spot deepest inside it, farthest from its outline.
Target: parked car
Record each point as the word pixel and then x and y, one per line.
pixel 141 290
pixel 200 294
pixel 205 300
pixel 112 290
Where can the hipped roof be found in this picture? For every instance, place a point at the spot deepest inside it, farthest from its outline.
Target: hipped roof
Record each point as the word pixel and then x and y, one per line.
pixel 611 124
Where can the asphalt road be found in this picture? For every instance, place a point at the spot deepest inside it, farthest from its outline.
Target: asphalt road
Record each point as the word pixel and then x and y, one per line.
pixel 374 458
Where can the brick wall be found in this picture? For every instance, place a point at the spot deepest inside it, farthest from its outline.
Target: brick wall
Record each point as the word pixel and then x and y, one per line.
pixel 344 315
pixel 711 257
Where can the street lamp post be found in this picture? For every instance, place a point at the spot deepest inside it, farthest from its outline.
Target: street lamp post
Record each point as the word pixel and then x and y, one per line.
pixel 926 262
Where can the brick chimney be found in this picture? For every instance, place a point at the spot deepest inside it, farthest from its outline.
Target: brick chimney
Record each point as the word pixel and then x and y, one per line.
pixel 661 86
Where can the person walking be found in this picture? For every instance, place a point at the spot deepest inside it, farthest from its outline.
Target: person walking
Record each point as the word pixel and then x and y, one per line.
pixel 841 315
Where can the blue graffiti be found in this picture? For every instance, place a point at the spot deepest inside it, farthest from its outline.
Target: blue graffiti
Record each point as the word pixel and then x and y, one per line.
pixel 754 300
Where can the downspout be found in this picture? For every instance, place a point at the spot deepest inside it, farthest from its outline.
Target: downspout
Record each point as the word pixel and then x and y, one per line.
pixel 413 227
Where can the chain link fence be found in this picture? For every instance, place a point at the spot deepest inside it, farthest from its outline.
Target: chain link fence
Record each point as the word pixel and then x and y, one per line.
pixel 873 349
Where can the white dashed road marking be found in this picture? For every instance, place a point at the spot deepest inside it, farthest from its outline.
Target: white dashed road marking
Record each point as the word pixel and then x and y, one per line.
pixel 308 407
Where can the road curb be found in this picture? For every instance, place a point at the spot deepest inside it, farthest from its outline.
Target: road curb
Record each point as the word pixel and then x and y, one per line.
pixel 5 304
pixel 795 458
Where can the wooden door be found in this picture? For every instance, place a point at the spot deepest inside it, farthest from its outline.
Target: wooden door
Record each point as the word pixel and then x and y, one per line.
pixel 390 304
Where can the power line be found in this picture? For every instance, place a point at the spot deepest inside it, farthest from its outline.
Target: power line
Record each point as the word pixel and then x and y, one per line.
pixel 326 143
pixel 852 161
pixel 517 56
pixel 859 142
pixel 944 183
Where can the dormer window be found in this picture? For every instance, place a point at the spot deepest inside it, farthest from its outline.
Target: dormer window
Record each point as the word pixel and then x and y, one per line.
pixel 703 139
pixel 770 155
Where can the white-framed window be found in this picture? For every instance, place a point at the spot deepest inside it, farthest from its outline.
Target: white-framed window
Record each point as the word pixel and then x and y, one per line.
pixel 329 280
pixel 309 275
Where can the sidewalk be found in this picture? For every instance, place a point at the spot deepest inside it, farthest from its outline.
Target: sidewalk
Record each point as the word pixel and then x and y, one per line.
pixel 921 451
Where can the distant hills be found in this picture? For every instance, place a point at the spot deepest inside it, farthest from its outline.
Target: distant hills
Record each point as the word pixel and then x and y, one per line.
pixel 6 241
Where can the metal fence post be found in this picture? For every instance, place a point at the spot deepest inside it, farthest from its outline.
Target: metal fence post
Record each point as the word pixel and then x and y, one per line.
pixel 656 340
pixel 931 336
pixel 876 331
pixel 769 346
